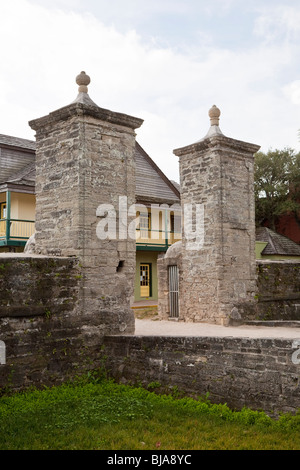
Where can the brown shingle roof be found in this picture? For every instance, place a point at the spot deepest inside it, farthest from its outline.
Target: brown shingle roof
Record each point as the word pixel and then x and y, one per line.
pixel 15 154
pixel 25 176
pixel 17 142
pixel 18 167
pixel 151 183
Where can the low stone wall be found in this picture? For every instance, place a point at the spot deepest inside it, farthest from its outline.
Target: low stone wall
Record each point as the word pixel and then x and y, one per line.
pixel 278 296
pixel 257 373
pixel 49 339
pixel 46 339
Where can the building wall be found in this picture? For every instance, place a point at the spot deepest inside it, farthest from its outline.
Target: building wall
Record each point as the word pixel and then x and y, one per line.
pixel 288 226
pixel 22 206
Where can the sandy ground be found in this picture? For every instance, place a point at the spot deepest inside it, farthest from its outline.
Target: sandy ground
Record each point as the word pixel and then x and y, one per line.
pixel 172 328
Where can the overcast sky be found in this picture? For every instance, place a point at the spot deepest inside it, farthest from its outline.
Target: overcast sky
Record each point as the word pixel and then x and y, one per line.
pixel 165 61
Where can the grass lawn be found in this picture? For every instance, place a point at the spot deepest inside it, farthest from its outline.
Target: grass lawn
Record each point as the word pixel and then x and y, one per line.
pixel 102 415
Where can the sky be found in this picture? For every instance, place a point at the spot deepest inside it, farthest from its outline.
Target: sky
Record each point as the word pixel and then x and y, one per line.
pixel 164 61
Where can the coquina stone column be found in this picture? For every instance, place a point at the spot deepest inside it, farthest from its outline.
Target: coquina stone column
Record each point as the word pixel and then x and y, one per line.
pixel 84 164
pixel 218 277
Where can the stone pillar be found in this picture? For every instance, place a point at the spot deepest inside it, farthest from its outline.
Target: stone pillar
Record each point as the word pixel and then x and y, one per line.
pixel 218 245
pixel 84 160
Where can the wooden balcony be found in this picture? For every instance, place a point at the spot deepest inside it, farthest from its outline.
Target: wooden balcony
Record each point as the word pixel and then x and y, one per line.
pixel 15 232
pixel 155 240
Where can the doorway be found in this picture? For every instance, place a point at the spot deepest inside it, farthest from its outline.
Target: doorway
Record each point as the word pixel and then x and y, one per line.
pixel 145 280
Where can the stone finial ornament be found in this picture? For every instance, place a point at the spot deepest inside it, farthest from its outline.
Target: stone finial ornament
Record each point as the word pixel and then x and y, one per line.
pixel 83 80
pixel 214 114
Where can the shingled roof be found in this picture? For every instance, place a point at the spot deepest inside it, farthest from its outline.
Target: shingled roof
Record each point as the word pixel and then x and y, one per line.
pixel 17 142
pixel 16 154
pixel 18 168
pixel 277 244
pixel 25 176
pixel 151 183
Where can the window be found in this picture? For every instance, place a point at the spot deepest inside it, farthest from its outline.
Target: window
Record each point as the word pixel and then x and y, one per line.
pixel 145 220
pixel 175 223
pixel 3 210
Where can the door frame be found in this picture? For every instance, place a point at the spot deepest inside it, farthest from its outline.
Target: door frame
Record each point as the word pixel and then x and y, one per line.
pixel 149 278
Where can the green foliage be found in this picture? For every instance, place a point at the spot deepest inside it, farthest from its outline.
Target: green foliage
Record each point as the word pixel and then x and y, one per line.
pixel 62 417
pixel 154 385
pixel 277 184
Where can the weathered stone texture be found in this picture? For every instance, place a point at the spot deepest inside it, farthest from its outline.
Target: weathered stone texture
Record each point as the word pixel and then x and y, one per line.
pixel 278 291
pixel 38 286
pixel 46 339
pixel 257 373
pixel 218 277
pixel 85 158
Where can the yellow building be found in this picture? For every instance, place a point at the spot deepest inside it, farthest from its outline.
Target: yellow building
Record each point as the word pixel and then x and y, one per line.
pixel 17 192
pixel 159 222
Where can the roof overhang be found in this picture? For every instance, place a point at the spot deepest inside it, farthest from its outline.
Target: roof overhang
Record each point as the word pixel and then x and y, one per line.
pixel 17 188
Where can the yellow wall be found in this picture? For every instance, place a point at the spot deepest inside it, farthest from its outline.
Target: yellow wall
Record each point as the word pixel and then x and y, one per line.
pixel 22 206
pixel 259 247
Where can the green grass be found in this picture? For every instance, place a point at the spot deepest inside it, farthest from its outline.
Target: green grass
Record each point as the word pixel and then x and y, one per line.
pixel 99 414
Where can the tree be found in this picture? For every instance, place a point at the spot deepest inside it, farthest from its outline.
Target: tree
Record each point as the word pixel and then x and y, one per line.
pixel 277 184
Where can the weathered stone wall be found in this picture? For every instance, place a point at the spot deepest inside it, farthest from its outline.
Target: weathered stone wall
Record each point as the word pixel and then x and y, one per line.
pixel 47 340
pixel 37 285
pixel 278 292
pixel 257 373
pixel 218 276
pixel 85 158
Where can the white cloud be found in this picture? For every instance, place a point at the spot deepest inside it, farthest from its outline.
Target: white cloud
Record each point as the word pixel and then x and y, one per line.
pixel 292 91
pixel 280 22
pixel 46 48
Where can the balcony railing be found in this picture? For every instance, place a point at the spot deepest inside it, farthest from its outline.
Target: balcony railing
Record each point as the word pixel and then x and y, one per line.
pixel 15 230
pixel 152 238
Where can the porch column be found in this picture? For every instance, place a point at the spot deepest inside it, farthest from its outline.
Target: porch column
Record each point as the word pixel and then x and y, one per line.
pixel 8 214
